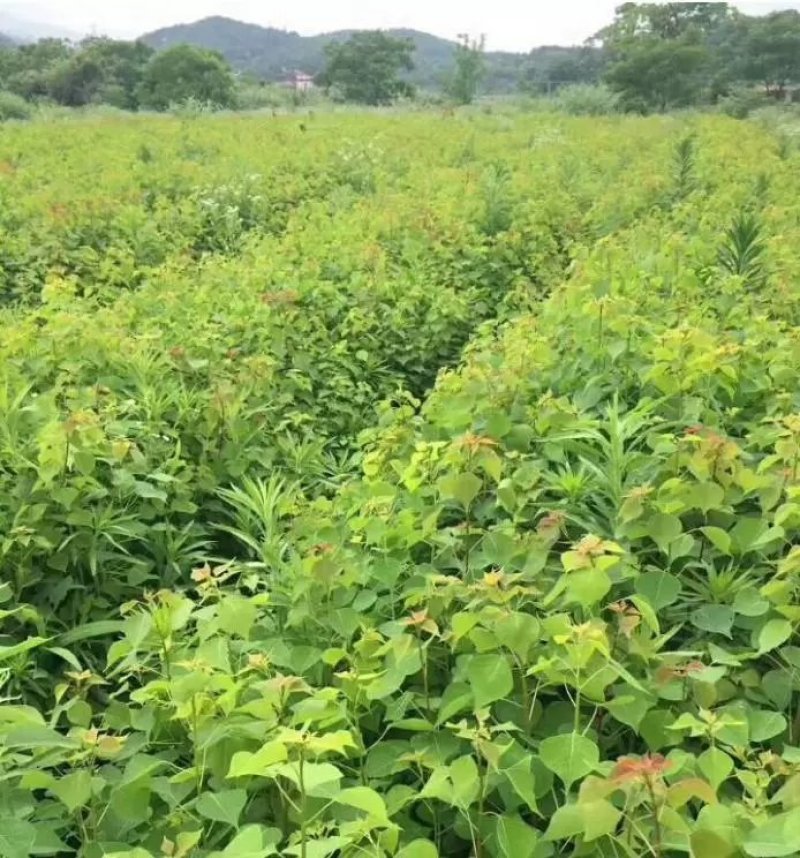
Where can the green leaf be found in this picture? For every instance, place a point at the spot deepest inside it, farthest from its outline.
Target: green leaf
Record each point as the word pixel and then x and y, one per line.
pixel 137 852
pixel 716 766
pixel 490 678
pixel 709 844
pixel 86 631
pixel 512 837
pixel 659 588
pixel 17 837
pixel 600 818
pixel 418 849
pixel 587 587
pixel 705 496
pixel 517 632
pixel 778 837
pixel 321 848
pixel 750 603
pixel 462 487
pixel 247 764
pixel 9 652
pixel 773 634
pixel 253 841
pixel 149 491
pixel 47 840
pixel 569 756
pixel 367 800
pixel 719 833
pixel 714 618
pixel 765 724
pixel 236 615
pixel 719 538
pixel 457 698
pixel 322 780
pixel 73 790
pixel 521 777
pixel 566 822
pixel 663 529
pixel 33 736
pixel 224 806
pixel 465 777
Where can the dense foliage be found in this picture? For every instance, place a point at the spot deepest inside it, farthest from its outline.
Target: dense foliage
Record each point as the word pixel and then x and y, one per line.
pixel 368 68
pixel 666 55
pixel 267 593
pixel 127 75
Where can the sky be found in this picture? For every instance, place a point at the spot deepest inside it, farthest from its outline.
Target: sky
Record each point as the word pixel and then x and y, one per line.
pixel 514 25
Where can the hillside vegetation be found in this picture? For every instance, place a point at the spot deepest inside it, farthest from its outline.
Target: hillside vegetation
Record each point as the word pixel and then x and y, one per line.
pixel 400 485
pixel 269 54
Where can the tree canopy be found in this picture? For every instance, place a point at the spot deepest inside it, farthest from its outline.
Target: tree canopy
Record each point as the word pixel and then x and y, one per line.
pixel 665 55
pixel 185 72
pixel 368 67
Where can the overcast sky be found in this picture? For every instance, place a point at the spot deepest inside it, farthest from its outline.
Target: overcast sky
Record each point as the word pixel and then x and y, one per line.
pixel 508 24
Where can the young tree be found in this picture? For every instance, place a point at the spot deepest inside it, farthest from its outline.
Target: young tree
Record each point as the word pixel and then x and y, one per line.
pixel 469 71
pixel 367 67
pixel 183 72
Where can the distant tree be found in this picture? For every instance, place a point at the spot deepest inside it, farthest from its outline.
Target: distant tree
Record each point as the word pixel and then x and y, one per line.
pixel 659 75
pixel 564 67
pixel 26 70
pixel 123 66
pixel 185 72
pixel 771 51
pixel 469 71
pixel 367 67
pixel 662 54
pixel 75 81
pixel 662 21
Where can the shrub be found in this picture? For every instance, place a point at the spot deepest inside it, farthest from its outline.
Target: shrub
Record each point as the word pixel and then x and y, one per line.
pixel 740 103
pixel 13 106
pixel 587 100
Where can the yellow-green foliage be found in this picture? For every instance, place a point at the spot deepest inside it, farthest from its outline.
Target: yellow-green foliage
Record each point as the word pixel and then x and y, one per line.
pixel 269 594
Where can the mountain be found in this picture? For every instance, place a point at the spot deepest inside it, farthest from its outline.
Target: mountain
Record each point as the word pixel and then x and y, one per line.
pixel 6 41
pixel 269 54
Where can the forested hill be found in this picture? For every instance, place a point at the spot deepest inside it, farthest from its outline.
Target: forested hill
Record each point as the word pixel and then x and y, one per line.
pixel 268 53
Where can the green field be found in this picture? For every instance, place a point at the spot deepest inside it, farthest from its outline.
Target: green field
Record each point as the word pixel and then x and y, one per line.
pixel 399 485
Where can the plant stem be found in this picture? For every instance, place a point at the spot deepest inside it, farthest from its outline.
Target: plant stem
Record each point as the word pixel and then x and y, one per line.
pixel 481 799
pixel 657 837
pixel 423 657
pixel 527 703
pixel 301 777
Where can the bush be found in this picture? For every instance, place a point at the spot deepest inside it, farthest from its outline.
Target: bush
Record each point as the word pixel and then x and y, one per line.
pixel 192 108
pixel 587 100
pixel 740 103
pixel 255 96
pixel 13 107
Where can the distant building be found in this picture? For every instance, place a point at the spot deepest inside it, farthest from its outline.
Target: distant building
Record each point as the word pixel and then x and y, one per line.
pixel 300 81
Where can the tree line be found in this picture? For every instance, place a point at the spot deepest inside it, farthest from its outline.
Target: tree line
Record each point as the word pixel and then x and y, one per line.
pixel 128 75
pixel 652 56
pixel 661 56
